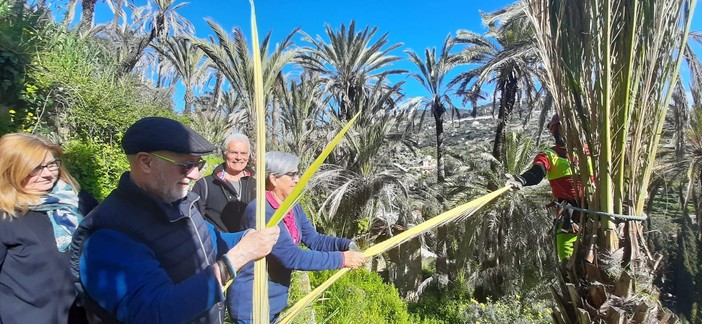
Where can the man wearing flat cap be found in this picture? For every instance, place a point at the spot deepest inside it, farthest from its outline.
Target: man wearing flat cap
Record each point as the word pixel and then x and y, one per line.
pixel 145 254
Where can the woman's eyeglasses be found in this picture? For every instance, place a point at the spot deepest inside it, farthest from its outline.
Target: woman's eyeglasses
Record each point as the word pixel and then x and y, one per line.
pixel 185 166
pixel 294 174
pixel 51 166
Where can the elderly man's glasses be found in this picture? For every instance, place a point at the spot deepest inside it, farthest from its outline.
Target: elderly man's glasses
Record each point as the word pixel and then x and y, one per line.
pixel 51 166
pixel 185 166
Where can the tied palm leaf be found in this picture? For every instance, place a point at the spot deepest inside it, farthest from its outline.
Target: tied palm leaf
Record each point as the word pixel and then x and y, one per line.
pixel 260 292
pixel 291 200
pixel 453 215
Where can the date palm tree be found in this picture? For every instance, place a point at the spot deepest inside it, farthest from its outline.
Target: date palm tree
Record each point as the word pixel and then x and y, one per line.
pixel 233 59
pixel 612 68
pixel 349 63
pixel 506 57
pixel 432 74
pixel 302 105
pixel 189 62
pixel 156 21
pixel 368 187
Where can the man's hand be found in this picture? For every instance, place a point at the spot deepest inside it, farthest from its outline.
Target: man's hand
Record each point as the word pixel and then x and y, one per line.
pixel 253 246
pixel 515 181
pixel 353 259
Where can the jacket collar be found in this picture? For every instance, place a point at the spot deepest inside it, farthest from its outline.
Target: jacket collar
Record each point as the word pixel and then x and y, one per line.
pixel 172 211
pixel 218 174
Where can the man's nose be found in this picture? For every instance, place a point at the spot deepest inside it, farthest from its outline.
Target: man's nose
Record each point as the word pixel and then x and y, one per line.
pixel 193 174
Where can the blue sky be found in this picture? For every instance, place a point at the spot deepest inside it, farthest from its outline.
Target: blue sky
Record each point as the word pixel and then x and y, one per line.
pixel 416 24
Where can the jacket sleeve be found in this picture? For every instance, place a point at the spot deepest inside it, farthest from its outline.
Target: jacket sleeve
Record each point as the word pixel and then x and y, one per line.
pixel 86 202
pixel 224 241
pixel 3 247
pixel 125 278
pixel 538 169
pixel 534 175
pixel 315 241
pixel 3 254
pixel 289 254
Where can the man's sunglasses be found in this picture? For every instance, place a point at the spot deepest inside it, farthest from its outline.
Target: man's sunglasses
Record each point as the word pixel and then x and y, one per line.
pixel 185 167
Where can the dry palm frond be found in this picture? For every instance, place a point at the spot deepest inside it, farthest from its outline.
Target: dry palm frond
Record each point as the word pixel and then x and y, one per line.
pixel 260 290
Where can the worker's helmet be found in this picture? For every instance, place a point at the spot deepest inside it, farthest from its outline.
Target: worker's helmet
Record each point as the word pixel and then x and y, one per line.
pixel 552 126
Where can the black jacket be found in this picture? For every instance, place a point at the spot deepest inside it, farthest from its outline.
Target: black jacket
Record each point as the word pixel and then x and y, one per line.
pixel 220 204
pixel 174 235
pixel 35 279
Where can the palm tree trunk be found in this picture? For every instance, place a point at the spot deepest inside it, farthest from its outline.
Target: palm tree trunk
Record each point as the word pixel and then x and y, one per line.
pixel 159 70
pixel 130 61
pixel 498 145
pixel 305 287
pixel 442 253
pixel 507 100
pixel 189 98
pixel 219 80
pixel 118 13
pixel 406 269
pixel 70 13
pixel 275 121
pixel 87 16
pixel 439 121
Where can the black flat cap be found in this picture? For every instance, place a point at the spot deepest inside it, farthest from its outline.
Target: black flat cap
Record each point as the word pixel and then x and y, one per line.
pixel 162 134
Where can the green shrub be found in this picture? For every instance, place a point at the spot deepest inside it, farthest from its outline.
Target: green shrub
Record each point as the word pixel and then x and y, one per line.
pixel 77 82
pixel 20 36
pixel 97 166
pixel 441 305
pixel 508 310
pixel 456 306
pixel 213 160
pixel 358 297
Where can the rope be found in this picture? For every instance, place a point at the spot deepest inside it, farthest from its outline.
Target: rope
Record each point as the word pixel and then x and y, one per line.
pixel 567 205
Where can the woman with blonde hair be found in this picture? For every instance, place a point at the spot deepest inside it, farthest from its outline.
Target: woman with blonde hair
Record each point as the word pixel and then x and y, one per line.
pixel 40 208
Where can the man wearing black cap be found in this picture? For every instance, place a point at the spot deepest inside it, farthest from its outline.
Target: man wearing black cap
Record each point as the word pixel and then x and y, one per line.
pixel 145 254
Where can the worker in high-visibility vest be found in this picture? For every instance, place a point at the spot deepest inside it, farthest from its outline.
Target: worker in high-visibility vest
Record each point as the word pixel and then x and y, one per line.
pixel 555 164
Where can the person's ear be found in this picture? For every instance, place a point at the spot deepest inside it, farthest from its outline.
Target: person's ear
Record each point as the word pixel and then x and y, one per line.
pixel 144 162
pixel 273 179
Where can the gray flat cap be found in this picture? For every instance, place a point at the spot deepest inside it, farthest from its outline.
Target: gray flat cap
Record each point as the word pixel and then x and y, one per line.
pixel 162 134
